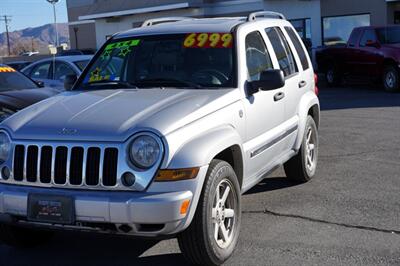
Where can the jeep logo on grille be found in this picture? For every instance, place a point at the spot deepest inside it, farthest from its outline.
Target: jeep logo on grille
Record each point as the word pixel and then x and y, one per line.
pixel 68 131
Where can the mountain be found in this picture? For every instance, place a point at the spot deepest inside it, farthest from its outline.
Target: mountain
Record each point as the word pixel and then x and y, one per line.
pixel 39 36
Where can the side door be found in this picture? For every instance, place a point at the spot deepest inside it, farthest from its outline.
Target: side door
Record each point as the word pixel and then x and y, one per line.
pixel 295 84
pixel 369 53
pixel 61 70
pixel 264 111
pixel 41 72
pixel 306 82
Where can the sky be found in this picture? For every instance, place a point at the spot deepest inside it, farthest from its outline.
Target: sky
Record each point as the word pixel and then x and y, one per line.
pixel 31 13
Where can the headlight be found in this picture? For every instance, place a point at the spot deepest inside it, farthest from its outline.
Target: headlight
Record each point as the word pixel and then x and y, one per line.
pixel 5 113
pixel 5 147
pixel 144 151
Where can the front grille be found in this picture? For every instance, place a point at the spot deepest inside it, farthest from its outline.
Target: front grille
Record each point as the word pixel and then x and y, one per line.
pixel 62 165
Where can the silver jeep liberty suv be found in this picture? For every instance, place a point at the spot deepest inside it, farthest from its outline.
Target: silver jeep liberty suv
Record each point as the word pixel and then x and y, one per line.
pixel 165 129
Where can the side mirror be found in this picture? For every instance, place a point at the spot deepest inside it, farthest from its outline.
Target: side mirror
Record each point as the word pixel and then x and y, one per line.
pixel 269 80
pixel 69 81
pixel 40 83
pixel 374 44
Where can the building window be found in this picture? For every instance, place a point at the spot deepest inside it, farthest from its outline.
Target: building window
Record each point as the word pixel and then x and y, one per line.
pixel 337 30
pixel 303 28
pixel 397 17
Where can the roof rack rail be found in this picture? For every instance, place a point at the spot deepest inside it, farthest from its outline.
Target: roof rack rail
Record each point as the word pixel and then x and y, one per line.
pixel 154 21
pixel 253 16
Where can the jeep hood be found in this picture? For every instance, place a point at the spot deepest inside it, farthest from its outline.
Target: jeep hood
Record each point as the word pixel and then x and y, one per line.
pixel 114 115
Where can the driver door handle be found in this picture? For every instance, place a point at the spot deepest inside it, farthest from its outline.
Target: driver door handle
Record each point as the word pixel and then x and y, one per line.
pixel 279 96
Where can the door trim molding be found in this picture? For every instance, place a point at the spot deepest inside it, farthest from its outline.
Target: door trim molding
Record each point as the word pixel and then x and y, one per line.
pixel 273 142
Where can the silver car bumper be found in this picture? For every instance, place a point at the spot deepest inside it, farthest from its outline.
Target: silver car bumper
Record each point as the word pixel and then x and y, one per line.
pixel 156 212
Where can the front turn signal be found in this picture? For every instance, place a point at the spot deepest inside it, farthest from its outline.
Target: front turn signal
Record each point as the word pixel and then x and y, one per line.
pixel 177 174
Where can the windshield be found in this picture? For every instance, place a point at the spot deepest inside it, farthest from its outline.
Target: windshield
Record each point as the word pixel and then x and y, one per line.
pixel 182 60
pixel 81 64
pixel 13 80
pixel 389 35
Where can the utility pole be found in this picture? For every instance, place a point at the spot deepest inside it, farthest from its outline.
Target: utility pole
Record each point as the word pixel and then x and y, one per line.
pixel 54 2
pixel 7 19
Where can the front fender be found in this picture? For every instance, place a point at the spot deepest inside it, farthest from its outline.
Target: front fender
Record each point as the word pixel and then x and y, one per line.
pixel 306 103
pixel 201 149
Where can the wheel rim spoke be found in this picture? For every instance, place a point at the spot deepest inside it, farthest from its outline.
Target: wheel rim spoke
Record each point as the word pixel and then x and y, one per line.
pixel 309 136
pixel 225 195
pixel 311 147
pixel 309 161
pixel 229 213
pixel 216 230
pixel 214 214
pixel 224 233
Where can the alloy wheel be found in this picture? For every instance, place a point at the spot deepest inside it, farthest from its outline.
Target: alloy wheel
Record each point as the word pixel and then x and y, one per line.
pixel 224 211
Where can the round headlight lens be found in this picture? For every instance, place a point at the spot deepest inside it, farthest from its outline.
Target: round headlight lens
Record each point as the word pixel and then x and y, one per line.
pixel 5 147
pixel 144 151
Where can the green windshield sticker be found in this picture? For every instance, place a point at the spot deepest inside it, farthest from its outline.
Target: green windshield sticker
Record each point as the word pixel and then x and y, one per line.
pixel 125 47
pixel 121 45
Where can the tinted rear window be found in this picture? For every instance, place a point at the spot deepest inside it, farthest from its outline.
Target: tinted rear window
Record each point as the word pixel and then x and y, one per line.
pixel 299 48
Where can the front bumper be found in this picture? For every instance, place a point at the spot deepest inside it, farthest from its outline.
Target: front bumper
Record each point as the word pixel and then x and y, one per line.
pixel 152 213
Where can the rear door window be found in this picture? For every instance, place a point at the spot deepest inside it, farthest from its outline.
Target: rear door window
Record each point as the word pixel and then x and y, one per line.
pixel 62 70
pixel 41 71
pixel 368 36
pixel 282 50
pixel 299 48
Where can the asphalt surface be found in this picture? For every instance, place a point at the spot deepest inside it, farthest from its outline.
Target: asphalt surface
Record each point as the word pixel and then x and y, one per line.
pixel 348 215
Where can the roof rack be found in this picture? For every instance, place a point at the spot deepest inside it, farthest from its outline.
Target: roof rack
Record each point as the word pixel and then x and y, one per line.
pixel 151 22
pixel 253 16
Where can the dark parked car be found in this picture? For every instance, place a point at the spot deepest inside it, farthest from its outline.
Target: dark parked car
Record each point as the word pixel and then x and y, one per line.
pixel 18 65
pixel 371 52
pixel 18 91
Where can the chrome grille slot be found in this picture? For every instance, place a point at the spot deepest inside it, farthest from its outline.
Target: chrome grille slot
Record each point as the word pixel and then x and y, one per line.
pixel 110 167
pixel 76 166
pixel 32 163
pixel 45 164
pixel 19 162
pixel 69 165
pixel 93 167
pixel 60 168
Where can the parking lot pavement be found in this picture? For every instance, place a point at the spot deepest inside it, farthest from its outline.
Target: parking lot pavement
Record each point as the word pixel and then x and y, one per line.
pixel 348 215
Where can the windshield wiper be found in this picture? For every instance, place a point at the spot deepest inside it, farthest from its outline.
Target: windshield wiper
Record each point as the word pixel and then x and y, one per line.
pixel 160 81
pixel 125 84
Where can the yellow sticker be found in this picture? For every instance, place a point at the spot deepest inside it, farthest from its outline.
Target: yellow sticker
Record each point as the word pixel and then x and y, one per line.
pixel 208 40
pixel 7 69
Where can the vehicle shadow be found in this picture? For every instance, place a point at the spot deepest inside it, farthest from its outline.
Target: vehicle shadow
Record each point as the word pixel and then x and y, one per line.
pixel 271 184
pixel 89 249
pixel 356 95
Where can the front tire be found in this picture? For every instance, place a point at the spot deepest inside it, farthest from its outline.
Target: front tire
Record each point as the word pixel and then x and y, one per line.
pixel 20 237
pixel 213 234
pixel 302 167
pixel 391 79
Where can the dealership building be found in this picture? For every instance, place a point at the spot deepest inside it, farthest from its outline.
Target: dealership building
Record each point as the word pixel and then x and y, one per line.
pixel 92 22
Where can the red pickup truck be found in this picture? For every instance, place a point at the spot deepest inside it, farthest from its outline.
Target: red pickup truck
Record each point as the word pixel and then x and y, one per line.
pixel 371 53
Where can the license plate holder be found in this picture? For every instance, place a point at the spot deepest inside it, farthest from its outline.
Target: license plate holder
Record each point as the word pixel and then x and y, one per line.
pixel 53 209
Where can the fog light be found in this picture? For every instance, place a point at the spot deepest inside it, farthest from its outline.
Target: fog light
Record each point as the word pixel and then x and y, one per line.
pixel 5 173
pixel 128 179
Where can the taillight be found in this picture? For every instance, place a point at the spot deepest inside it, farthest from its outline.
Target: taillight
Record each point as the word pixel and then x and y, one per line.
pixel 316 90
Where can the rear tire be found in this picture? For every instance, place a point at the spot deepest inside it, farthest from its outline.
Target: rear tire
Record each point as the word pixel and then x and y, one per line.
pixel 333 77
pixel 302 167
pixel 23 237
pixel 213 234
pixel 391 79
